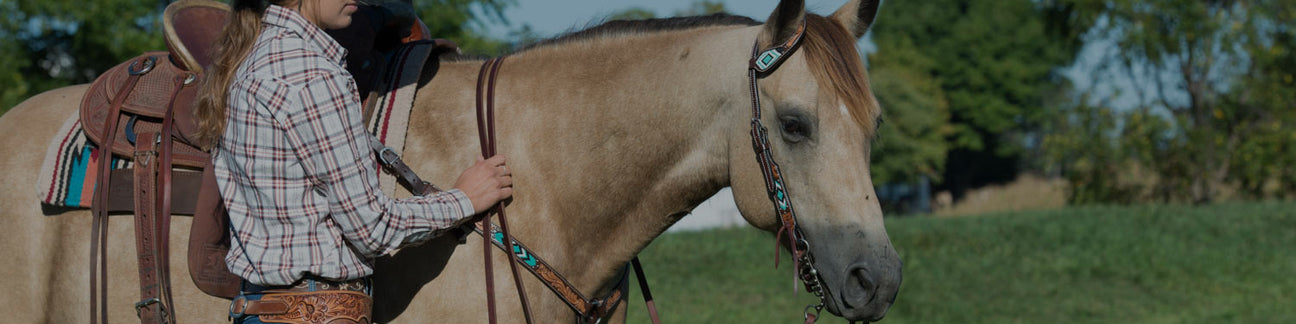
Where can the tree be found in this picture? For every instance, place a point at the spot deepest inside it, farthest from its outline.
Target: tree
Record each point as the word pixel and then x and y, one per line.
pixel 455 20
pixel 1219 76
pixel 52 43
pixel 911 144
pixel 993 62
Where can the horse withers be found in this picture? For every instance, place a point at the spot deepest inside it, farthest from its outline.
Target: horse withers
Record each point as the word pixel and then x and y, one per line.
pixel 613 134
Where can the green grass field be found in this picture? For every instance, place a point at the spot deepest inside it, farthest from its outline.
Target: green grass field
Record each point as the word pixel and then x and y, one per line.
pixel 1229 263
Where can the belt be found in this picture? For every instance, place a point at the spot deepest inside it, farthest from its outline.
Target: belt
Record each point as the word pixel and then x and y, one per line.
pixel 309 284
pixel 310 300
pixel 317 307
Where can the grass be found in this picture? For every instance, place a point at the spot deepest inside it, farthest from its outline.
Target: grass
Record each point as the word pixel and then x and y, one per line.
pixel 1232 263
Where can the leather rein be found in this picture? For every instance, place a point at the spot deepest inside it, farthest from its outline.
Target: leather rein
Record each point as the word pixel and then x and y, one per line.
pixel 594 310
pixel 763 63
pixel 588 310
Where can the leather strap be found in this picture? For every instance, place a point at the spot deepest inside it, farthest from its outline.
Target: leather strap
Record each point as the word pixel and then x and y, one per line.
pixel 762 63
pixel 587 310
pixel 150 309
pixel 486 133
pixel 397 166
pixel 99 225
pixel 647 294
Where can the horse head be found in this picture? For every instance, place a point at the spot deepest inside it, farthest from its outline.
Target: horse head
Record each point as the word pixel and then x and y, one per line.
pixel 821 119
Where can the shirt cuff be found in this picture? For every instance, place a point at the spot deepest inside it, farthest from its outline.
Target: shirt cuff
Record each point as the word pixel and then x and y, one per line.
pixel 465 205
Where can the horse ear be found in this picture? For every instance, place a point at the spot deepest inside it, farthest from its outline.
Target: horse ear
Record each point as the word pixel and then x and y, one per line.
pixel 857 15
pixel 784 22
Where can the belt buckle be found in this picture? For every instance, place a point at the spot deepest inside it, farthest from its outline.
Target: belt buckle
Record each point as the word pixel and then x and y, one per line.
pixel 237 300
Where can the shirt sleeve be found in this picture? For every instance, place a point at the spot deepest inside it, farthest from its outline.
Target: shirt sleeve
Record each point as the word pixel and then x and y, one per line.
pixel 329 138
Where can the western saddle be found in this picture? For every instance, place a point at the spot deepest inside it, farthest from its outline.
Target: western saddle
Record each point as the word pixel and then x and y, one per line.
pixel 141 110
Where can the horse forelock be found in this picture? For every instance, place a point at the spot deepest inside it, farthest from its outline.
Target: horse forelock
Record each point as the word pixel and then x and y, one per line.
pixel 834 61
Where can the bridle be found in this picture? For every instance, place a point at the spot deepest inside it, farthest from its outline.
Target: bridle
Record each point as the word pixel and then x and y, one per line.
pixel 594 310
pixel 764 62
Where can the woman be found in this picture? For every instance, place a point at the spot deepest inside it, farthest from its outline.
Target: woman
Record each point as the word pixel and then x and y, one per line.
pixel 296 172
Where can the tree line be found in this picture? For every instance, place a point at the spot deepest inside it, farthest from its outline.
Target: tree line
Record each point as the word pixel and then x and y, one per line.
pixel 1128 100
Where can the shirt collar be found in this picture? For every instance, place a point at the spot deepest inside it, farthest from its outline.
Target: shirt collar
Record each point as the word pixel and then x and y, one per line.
pixel 294 22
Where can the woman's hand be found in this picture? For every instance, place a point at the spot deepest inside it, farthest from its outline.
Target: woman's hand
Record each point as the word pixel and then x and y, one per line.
pixel 486 183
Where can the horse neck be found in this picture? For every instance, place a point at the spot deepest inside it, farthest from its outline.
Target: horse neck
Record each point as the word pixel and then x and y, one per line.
pixel 611 140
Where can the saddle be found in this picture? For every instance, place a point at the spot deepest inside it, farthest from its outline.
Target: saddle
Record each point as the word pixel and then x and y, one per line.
pixel 142 111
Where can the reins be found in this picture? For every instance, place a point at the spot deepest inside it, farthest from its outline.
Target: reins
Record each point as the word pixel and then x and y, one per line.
pixel 587 310
pixel 486 132
pixel 762 64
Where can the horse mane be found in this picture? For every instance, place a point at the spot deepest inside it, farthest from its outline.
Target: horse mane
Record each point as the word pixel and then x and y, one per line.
pixel 623 27
pixel 826 40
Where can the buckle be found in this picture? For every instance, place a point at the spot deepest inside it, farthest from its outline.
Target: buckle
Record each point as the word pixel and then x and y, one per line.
pixel 139 306
pixel 388 156
pixel 242 302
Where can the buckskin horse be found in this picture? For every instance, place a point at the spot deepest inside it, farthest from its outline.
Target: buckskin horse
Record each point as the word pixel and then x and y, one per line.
pixel 613 134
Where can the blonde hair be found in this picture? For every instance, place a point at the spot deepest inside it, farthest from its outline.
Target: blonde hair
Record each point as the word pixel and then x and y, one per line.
pixel 232 48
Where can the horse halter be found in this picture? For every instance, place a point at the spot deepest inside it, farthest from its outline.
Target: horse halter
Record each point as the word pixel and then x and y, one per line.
pixel 762 64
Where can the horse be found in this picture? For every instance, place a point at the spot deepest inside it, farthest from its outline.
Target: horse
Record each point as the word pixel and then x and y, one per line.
pixel 613 134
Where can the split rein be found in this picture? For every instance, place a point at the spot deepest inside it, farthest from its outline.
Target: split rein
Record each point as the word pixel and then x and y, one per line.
pixel 588 310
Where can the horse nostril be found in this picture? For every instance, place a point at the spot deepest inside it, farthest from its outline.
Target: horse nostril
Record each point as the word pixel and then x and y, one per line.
pixel 861 288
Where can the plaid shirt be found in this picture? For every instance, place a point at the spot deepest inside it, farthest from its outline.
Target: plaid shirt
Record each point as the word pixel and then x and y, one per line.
pixel 296 170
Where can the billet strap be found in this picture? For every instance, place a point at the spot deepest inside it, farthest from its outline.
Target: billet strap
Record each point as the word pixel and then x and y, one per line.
pixel 150 309
pixel 99 224
pixel 486 133
pixel 397 166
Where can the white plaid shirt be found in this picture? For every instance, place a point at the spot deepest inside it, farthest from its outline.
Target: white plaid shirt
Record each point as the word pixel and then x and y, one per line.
pixel 296 170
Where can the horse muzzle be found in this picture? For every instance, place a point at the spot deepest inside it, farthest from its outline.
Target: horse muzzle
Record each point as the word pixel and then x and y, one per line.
pixel 868 290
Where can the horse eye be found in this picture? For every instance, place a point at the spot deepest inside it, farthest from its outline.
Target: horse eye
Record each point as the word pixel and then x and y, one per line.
pixel 794 129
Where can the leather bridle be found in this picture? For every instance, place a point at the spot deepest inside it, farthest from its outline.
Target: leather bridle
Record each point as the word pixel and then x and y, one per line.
pixel 764 62
pixel 594 310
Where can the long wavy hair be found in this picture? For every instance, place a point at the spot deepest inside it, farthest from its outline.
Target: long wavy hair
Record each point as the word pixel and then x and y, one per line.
pixel 235 43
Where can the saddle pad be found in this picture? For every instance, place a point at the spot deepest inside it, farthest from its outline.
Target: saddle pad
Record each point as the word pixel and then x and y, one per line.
pixel 394 100
pixel 67 176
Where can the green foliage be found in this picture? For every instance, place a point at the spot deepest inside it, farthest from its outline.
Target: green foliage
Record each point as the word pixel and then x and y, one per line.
pixel 1219 121
pixel 911 143
pixel 51 43
pixel 993 60
pixel 1150 264
pixel 455 20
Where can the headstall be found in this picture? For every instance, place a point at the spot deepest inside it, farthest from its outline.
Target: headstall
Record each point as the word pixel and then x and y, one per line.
pixel 594 310
pixel 762 64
